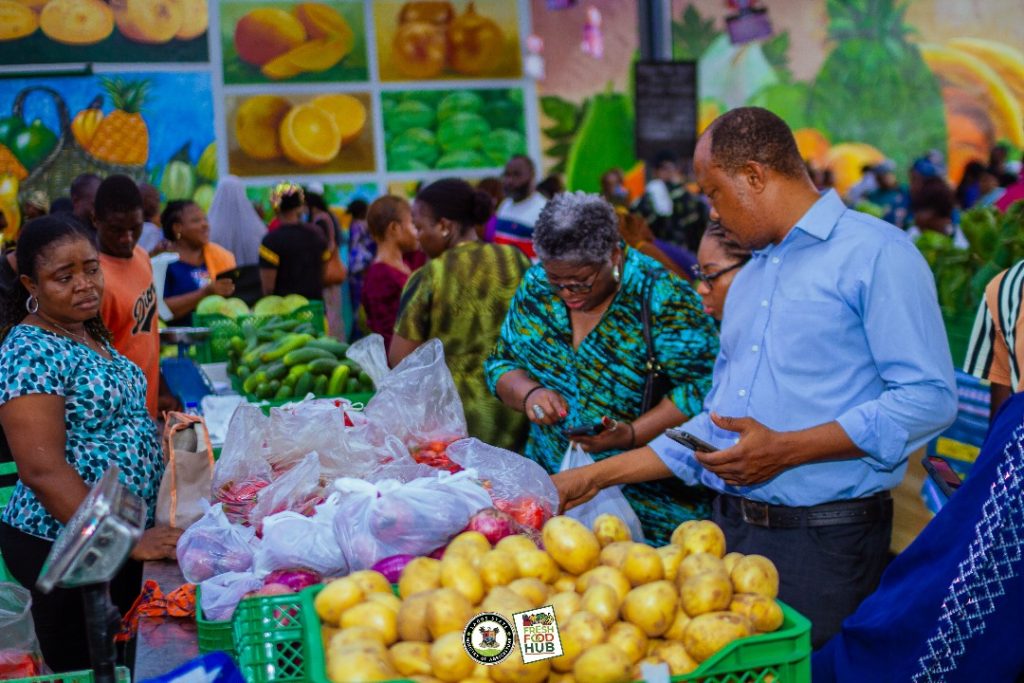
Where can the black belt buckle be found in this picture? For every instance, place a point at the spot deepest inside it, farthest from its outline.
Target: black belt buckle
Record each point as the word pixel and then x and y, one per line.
pixel 755 513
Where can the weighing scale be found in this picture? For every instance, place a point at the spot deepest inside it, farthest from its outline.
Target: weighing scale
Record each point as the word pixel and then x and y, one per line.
pixel 184 378
pixel 89 552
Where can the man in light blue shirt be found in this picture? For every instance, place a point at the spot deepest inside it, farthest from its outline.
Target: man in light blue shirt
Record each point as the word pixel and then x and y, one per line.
pixel 834 367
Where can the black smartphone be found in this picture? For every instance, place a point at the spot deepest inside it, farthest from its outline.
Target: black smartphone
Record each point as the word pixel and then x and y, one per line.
pixel 229 275
pixel 942 473
pixel 690 441
pixel 585 430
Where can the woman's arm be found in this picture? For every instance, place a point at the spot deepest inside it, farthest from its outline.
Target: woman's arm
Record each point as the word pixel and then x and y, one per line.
pixel 400 348
pixel 625 435
pixel 577 486
pixel 268 280
pixel 35 430
pixel 183 304
pixel 515 386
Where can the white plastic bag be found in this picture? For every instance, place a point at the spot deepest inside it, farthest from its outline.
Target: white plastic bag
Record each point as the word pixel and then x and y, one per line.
pixel 609 500
pixel 417 401
pixel 291 540
pixel 19 648
pixel 300 490
pixel 242 469
pixel 221 594
pixel 388 518
pixel 214 546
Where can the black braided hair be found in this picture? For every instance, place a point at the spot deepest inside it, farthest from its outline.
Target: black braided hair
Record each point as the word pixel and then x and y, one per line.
pixel 35 239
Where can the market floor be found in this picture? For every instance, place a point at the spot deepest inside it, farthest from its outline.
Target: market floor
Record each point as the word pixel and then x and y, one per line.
pixel 909 512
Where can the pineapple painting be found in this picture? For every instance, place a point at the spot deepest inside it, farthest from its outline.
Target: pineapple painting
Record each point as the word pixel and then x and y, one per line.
pixel 122 136
pixel 874 86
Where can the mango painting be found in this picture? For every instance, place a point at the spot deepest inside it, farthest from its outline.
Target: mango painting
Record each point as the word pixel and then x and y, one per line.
pixel 127 31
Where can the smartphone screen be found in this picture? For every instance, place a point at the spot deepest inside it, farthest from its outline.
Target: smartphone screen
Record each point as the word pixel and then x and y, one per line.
pixel 229 275
pixel 584 430
pixel 942 474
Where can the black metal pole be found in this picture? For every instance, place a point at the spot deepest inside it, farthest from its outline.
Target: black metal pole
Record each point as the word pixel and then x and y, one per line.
pixel 655 26
pixel 101 622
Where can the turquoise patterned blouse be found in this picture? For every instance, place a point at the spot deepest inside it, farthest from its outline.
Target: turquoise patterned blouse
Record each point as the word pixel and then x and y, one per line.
pixel 104 413
pixel 606 375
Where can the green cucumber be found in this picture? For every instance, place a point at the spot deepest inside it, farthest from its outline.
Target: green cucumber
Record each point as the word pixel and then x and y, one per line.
pixel 328 344
pixel 320 386
pixel 304 385
pixel 296 371
pixel 339 377
pixel 323 366
pixel 287 344
pixel 276 370
pixel 252 381
pixel 284 392
pixel 306 355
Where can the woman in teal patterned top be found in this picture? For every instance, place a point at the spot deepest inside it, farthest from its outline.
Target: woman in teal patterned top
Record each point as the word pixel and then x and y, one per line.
pixel 572 351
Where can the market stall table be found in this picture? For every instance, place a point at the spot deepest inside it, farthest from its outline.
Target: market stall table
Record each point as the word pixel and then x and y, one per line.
pixel 164 643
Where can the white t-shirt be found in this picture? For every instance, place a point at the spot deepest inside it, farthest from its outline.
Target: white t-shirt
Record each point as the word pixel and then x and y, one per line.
pixel 515 221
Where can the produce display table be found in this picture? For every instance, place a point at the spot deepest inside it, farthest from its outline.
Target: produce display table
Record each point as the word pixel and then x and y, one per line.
pixel 164 643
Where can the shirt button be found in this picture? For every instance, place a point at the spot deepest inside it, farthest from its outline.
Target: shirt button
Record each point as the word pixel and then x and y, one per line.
pixel 742 392
pixel 755 348
pixel 775 259
pixel 764 303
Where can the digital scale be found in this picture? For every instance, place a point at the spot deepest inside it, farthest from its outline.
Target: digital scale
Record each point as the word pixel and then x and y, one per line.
pixel 184 378
pixel 88 554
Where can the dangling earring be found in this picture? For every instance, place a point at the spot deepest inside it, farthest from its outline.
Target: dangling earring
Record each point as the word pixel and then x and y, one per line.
pixel 616 275
pixel 31 304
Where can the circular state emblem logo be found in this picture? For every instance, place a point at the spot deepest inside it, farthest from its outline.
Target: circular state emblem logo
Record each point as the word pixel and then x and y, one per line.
pixel 489 638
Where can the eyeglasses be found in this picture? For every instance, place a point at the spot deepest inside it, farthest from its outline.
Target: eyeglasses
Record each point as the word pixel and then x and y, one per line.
pixel 574 287
pixel 709 279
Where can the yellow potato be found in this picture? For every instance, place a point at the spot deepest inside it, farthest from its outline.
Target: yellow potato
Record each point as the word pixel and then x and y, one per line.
pixel 756 574
pixel 537 564
pixel 505 602
pixel 614 554
pixel 642 564
pixel 573 546
pixel 565 582
pixel 602 601
pixel 354 634
pixel 699 563
pixel 374 615
pixel 389 600
pixel 763 613
pixel 430 679
pixel 498 568
pixel 448 658
pixel 703 537
pixel 371 582
pixel 603 663
pixel 678 627
pixel 512 669
pixel 448 611
pixel 709 633
pixel 652 607
pixel 609 576
pixel 411 659
pixel 458 573
pixel 326 633
pixel 707 592
pixel 680 531
pixel 421 574
pixel 358 667
pixel 609 529
pixel 412 617
pixel 675 655
pixel 533 590
pixel 555 677
pixel 671 557
pixel 335 598
pixel 517 543
pixel 582 632
pixel 472 541
pixel 566 604
pixel 630 639
pixel 730 560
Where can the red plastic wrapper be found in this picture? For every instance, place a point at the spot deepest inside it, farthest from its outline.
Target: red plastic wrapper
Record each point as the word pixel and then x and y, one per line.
pixel 19 664
pixel 435 455
pixel 239 498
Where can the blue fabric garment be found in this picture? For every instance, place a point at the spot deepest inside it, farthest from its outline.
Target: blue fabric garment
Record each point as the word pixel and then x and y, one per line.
pixel 184 278
pixel 949 606
pixel 839 321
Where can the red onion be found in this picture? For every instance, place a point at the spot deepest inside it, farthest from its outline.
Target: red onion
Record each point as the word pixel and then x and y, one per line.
pixel 391 567
pixel 494 524
pixel 295 579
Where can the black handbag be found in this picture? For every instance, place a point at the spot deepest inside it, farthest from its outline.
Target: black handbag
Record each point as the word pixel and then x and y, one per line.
pixel 656 384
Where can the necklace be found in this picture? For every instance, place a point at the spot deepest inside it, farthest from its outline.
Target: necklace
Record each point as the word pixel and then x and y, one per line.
pixel 80 337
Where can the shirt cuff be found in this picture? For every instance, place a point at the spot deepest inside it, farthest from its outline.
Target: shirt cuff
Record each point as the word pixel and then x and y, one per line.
pixel 677 458
pixel 880 437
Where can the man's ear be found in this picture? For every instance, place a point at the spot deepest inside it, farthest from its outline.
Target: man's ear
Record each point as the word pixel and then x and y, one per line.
pixel 755 175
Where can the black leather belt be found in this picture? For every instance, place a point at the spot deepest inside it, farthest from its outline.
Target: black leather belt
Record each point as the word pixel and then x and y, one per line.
pixel 858 511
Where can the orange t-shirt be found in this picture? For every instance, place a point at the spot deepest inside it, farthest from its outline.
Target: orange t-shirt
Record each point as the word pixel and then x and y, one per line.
pixel 129 312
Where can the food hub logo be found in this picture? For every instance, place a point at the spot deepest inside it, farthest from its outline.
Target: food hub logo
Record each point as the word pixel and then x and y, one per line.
pixel 537 631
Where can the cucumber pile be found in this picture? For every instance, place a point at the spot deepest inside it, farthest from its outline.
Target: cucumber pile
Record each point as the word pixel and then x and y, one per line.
pixel 280 359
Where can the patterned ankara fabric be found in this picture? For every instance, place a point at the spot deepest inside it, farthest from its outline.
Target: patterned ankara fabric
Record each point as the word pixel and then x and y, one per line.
pixel 949 606
pixel 104 412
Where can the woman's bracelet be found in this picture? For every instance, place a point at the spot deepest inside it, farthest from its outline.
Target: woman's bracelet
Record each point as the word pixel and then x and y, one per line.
pixel 527 396
pixel 632 435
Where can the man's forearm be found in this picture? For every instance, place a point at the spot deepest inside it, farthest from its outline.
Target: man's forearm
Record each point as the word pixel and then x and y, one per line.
pixel 828 441
pixel 631 467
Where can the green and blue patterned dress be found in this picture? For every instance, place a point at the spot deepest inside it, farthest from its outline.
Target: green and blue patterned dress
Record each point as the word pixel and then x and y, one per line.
pixel 606 375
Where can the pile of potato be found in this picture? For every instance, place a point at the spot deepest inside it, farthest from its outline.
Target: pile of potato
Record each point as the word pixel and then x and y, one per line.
pixel 618 604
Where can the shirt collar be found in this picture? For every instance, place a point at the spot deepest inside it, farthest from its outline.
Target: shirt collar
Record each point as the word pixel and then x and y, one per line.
pixel 821 218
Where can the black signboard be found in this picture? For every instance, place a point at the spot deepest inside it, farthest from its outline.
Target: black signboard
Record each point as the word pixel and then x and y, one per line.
pixel 665 100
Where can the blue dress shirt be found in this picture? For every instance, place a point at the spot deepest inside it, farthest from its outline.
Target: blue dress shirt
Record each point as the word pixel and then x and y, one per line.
pixel 837 322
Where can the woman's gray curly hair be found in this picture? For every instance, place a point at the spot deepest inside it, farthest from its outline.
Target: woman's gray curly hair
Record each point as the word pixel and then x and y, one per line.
pixel 576 227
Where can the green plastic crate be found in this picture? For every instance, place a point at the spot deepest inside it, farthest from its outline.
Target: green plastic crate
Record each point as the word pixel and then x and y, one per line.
pixel 270 650
pixel 213 636
pixel 223 329
pixel 123 676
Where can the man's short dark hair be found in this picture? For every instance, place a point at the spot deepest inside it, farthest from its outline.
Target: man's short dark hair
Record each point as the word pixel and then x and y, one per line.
pixel 116 194
pixel 526 159
pixel 80 184
pixel 934 194
pixel 748 134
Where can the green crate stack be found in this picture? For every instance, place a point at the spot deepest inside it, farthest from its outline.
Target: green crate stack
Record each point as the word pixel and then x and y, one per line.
pixel 223 329
pixel 278 639
pixel 213 636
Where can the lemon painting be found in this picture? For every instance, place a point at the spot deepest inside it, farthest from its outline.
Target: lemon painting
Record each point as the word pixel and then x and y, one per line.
pixel 294 42
pixel 278 134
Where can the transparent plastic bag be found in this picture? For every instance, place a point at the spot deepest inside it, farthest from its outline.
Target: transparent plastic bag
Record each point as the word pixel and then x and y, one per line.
pixel 609 500
pixel 378 520
pixel 20 656
pixel 243 468
pixel 518 485
pixel 214 546
pixel 221 594
pixel 292 540
pixel 300 490
pixel 295 429
pixel 417 401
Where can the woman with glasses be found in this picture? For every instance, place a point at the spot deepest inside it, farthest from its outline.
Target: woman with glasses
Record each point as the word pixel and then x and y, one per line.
pixel 460 297
pixel 719 258
pixel 572 355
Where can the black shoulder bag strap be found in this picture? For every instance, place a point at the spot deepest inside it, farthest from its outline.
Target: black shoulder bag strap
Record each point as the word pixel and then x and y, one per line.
pixel 656 384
